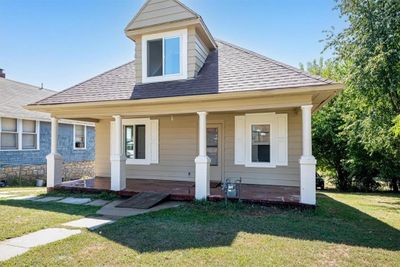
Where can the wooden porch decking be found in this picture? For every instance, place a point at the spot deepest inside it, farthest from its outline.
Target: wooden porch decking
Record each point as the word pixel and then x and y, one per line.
pixel 178 190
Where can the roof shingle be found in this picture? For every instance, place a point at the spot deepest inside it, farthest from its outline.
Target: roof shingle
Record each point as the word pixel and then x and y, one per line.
pixel 227 69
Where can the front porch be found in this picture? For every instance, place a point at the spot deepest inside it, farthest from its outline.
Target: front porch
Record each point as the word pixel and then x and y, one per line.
pixel 183 190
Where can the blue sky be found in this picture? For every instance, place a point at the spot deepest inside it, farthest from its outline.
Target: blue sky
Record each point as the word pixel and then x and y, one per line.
pixel 64 42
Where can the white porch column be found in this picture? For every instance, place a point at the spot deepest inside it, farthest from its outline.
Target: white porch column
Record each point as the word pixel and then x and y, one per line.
pixel 118 159
pixel 307 161
pixel 54 160
pixel 202 174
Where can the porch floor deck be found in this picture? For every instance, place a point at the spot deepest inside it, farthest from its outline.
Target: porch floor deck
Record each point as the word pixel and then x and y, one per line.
pixel 180 190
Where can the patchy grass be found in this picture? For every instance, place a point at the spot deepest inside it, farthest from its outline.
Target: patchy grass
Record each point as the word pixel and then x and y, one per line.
pixel 19 217
pixel 345 230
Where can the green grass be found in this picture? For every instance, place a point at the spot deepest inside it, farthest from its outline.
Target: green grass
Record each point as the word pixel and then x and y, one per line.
pixel 345 230
pixel 18 217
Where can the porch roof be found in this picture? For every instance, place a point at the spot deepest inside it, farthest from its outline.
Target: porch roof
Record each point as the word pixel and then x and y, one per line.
pixel 227 69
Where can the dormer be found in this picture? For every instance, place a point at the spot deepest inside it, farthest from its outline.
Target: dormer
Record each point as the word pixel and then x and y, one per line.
pixel 172 41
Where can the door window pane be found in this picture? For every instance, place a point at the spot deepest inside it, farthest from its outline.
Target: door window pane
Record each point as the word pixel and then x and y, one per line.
pixel 140 142
pixel 79 136
pixel 8 125
pixel 171 54
pixel 154 58
pixel 260 143
pixel 212 145
pixel 9 141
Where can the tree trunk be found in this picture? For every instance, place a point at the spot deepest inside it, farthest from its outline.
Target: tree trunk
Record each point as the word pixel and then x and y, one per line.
pixel 394 185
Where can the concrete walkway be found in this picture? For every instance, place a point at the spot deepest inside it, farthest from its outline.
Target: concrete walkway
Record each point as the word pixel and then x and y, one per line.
pixel 19 245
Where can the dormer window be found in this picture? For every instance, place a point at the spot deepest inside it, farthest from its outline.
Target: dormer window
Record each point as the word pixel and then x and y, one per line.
pixel 164 56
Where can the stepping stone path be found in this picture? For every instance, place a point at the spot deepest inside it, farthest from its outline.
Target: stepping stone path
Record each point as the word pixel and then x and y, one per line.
pixel 98 203
pixel 16 246
pixel 75 200
pixel 90 223
pixel 25 198
pixel 48 199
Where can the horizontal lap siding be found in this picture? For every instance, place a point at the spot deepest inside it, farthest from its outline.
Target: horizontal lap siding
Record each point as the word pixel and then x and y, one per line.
pixel 178 149
pixel 102 162
pixel 159 12
pixel 281 175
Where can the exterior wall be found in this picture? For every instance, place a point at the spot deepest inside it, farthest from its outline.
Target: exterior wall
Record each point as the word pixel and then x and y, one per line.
pixel 178 149
pixel 201 53
pixel 28 173
pixel 158 12
pixel 65 147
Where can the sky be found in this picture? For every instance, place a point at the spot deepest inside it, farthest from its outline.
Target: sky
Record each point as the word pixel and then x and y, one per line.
pixel 63 42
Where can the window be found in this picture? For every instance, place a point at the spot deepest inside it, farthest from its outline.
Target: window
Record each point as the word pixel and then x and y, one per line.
pixel 135 141
pixel 139 141
pixel 29 134
pixel 79 136
pixel 9 134
pixel 18 134
pixel 164 56
pixel 260 143
pixel 261 140
pixel 212 145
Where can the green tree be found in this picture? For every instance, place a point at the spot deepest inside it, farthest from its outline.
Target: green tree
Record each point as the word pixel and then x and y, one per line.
pixel 370 46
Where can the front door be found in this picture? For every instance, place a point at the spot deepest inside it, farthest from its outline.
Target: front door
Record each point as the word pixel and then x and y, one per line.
pixel 214 150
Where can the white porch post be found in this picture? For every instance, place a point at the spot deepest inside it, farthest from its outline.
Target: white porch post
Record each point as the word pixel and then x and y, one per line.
pixel 118 159
pixel 54 160
pixel 202 174
pixel 307 161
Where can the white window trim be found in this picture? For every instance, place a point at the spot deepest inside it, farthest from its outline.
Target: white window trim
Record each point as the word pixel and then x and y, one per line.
pixel 19 135
pixel 134 122
pixel 85 138
pixel 183 36
pixel 243 139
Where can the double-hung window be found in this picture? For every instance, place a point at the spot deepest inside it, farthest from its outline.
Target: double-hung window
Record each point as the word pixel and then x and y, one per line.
pixel 79 136
pixel 9 134
pixel 29 134
pixel 164 56
pixel 19 134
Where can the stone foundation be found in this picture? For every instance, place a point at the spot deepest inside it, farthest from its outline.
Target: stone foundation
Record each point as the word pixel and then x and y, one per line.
pixel 29 173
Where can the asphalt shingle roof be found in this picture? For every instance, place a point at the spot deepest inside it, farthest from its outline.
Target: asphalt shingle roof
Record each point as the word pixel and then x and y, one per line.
pixel 227 69
pixel 14 95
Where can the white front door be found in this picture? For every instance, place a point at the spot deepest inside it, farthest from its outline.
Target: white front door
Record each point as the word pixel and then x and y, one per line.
pixel 214 150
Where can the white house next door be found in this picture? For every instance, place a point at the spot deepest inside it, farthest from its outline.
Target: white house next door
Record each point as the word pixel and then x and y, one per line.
pixel 214 150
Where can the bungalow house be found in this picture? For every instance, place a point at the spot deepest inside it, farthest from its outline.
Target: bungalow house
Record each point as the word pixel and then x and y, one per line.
pixel 191 109
pixel 25 136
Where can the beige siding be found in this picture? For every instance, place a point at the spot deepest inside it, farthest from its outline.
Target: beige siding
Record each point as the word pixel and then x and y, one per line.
pixel 191 52
pixel 138 60
pixel 102 159
pixel 201 53
pixel 158 12
pixel 178 149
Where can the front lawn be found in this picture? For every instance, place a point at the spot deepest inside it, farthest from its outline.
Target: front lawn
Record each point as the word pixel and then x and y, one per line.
pixel 346 229
pixel 19 217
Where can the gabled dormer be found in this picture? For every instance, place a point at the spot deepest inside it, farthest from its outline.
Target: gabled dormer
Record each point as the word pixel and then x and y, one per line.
pixel 172 41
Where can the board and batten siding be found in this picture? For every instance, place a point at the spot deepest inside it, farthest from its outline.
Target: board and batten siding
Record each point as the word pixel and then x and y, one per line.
pixel 179 145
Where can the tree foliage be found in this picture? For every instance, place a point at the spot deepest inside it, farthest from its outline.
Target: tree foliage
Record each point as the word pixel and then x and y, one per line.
pixel 363 123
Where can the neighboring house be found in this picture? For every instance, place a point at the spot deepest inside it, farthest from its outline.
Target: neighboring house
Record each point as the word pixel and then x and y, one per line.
pixel 193 109
pixel 25 135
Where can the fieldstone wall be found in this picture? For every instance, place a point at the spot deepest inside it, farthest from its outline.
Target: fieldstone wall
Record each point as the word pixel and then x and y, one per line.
pixel 29 173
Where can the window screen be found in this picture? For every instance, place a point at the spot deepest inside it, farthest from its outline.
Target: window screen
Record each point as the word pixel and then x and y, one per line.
pixel 154 58
pixel 260 143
